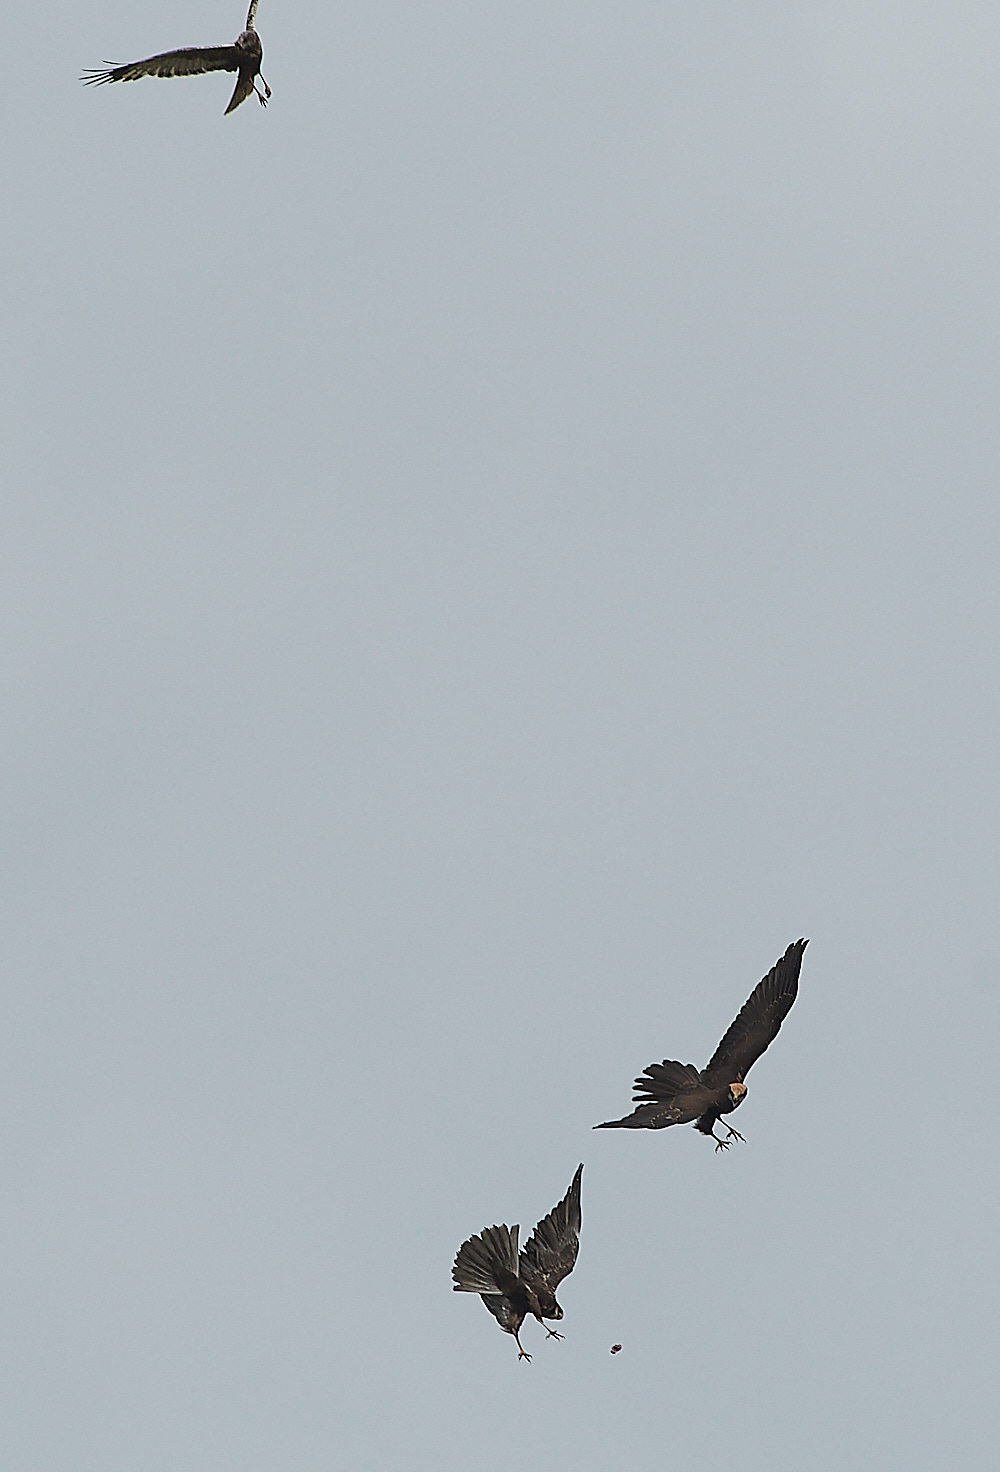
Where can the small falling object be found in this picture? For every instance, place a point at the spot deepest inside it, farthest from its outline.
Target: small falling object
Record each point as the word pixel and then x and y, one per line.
pixel 615 1348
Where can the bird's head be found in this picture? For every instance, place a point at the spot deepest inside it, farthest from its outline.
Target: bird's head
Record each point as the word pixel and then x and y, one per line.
pixel 737 1092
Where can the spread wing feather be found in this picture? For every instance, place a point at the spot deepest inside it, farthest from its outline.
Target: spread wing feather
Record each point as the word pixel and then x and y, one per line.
pixel 550 1252
pixel 759 1020
pixel 187 63
pixel 487 1263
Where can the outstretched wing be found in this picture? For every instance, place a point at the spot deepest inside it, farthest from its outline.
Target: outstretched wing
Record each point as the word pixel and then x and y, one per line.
pixel 188 63
pixel 550 1252
pixel 488 1263
pixel 758 1022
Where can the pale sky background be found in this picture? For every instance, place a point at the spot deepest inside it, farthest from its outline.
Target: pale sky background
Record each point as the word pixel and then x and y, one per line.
pixel 493 548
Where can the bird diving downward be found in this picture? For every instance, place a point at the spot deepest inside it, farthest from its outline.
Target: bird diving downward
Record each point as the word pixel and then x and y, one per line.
pixel 676 1093
pixel 243 57
pixel 515 1284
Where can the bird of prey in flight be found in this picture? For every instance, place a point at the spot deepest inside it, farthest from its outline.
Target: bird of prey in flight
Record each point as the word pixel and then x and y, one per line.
pixel 676 1093
pixel 515 1284
pixel 243 57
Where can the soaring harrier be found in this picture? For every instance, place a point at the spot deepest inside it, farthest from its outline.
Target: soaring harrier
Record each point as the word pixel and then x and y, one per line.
pixel 512 1284
pixel 244 57
pixel 676 1093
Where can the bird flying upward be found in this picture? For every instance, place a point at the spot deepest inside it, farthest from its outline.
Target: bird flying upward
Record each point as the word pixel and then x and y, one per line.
pixel 515 1284
pixel 243 57
pixel 676 1093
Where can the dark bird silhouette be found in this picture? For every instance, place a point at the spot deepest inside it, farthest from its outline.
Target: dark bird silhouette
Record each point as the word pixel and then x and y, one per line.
pixel 243 57
pixel 676 1093
pixel 515 1284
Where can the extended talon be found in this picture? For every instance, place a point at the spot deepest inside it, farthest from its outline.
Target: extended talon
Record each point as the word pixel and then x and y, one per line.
pixel 720 1144
pixel 553 1333
pixel 522 1354
pixel 733 1134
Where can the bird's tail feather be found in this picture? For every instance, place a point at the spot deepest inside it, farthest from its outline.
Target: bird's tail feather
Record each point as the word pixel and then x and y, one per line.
pixel 244 86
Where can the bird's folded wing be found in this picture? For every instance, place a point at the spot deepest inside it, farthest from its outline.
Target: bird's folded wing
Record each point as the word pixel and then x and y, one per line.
pixel 759 1020
pixel 188 63
pixel 551 1251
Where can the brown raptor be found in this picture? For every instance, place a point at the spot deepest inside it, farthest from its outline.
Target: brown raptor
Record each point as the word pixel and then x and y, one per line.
pixel 244 57
pixel 676 1093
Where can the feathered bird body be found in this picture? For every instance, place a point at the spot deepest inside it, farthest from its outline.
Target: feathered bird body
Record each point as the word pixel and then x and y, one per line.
pixel 514 1284
pixel 244 57
pixel 678 1093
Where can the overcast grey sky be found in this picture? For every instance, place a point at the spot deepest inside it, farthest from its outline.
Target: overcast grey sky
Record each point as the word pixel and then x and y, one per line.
pixel 493 548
